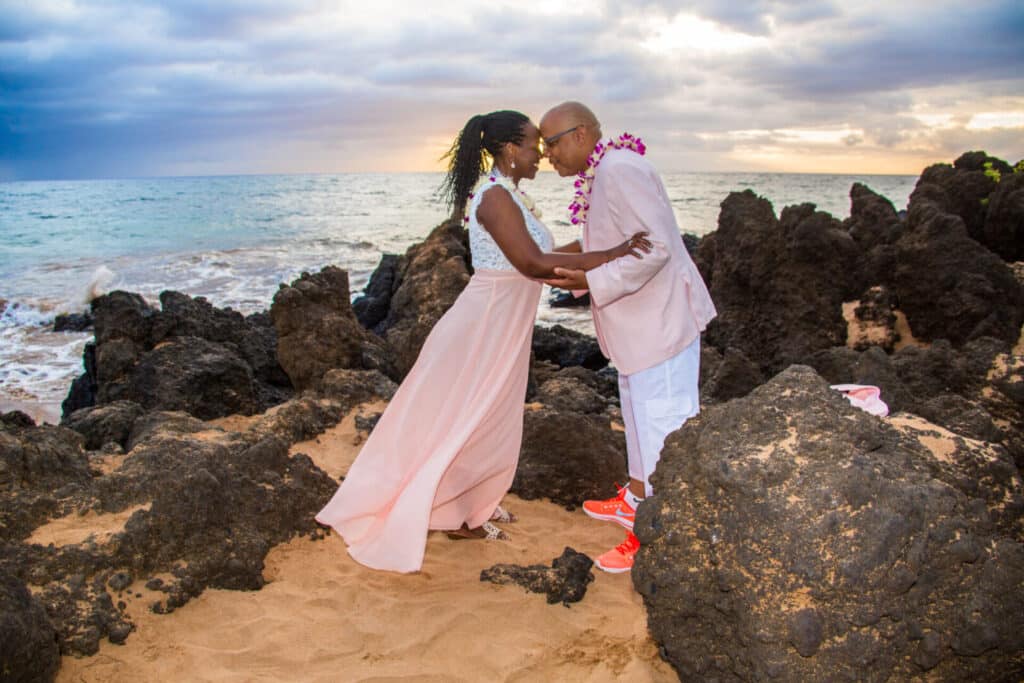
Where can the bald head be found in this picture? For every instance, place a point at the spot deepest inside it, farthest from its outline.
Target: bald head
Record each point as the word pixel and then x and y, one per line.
pixel 568 114
pixel 570 132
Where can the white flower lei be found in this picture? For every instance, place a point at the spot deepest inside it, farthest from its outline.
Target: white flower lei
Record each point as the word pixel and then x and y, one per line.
pixel 580 205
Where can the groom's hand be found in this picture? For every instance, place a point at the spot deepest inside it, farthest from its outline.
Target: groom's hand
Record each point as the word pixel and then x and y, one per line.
pixel 568 279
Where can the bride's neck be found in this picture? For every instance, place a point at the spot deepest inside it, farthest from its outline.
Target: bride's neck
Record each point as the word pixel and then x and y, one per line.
pixel 507 172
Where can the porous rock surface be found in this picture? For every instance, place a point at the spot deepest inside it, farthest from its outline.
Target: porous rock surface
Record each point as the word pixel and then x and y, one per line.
pixel 794 537
pixel 565 581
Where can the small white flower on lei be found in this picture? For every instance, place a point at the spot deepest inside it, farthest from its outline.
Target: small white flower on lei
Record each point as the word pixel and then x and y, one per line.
pixel 496 178
pixel 585 181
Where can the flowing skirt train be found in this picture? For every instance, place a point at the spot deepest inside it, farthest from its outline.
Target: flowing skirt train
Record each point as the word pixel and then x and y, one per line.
pixel 445 450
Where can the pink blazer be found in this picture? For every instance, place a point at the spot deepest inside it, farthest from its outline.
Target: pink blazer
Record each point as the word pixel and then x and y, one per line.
pixel 645 310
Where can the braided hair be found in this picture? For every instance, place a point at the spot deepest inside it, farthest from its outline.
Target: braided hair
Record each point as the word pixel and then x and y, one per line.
pixel 482 133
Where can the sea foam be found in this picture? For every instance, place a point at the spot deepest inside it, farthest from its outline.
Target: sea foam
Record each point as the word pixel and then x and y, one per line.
pixel 99 284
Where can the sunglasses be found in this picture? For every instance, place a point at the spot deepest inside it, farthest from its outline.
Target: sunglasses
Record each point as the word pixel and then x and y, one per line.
pixel 550 142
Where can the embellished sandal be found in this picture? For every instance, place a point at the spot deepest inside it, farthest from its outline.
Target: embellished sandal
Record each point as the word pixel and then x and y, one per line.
pixel 486 532
pixel 504 516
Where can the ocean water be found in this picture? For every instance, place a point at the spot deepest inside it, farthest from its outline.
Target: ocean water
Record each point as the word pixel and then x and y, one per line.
pixel 234 239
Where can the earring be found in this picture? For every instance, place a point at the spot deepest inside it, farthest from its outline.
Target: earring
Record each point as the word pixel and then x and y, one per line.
pixel 513 163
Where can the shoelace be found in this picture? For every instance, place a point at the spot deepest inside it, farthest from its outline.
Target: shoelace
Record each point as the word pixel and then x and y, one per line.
pixel 630 545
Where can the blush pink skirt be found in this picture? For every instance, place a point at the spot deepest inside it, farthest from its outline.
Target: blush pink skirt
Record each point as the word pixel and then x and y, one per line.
pixel 445 450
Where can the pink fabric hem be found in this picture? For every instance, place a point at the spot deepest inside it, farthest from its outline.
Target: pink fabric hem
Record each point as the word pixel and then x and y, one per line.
pixel 445 450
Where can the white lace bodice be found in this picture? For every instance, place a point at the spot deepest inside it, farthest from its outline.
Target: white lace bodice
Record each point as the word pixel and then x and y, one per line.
pixel 486 253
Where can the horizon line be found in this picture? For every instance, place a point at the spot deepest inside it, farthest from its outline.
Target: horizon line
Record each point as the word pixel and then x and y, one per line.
pixel 438 173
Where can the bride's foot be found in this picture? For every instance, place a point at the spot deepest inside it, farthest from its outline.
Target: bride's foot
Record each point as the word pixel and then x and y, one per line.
pixel 485 531
pixel 504 516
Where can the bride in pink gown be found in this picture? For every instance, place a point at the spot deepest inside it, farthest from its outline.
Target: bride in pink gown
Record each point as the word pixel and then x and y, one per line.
pixel 444 453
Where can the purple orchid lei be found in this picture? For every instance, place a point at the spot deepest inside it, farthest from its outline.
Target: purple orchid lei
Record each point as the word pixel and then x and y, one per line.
pixel 498 179
pixel 585 180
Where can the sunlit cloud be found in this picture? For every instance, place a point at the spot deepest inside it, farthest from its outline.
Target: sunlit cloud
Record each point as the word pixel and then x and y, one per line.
pixel 687 33
pixel 936 121
pixel 783 135
pixel 1000 119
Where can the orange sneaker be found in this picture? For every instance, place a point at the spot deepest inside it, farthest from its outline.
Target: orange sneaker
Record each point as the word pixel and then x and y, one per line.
pixel 620 558
pixel 612 510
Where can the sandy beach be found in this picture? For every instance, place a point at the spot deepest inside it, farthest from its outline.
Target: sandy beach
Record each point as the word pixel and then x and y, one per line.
pixel 323 617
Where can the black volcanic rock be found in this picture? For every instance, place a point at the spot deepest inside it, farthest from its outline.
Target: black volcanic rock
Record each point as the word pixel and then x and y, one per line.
pixel 569 394
pixel 604 381
pixel 565 581
pixel 565 347
pixel 562 299
pixel 84 388
pixel 1004 220
pixel 428 279
pixel 29 652
pixel 203 505
pixel 794 537
pixel 569 457
pixel 210 504
pixel 778 284
pixel 969 189
pixel 974 391
pixel 317 330
pixel 960 192
pixel 252 337
pixel 873 219
pixel 975 161
pixel 948 285
pixel 40 467
pixel 201 377
pixel 372 307
pixel 72 322
pixel 189 355
pixel 100 425
pixel 729 376
pixel 122 315
pixel 339 391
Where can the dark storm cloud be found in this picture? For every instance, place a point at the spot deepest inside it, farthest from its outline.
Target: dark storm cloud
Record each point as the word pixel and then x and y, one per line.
pixel 82 86
pixel 932 46
pixel 114 87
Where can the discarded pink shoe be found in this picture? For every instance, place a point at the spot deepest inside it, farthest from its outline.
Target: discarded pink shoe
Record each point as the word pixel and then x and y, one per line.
pixel 864 396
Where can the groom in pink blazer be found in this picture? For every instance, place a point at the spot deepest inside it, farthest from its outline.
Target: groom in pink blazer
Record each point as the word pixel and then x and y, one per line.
pixel 648 312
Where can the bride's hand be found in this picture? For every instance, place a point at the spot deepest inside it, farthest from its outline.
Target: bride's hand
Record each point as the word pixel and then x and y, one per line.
pixel 636 246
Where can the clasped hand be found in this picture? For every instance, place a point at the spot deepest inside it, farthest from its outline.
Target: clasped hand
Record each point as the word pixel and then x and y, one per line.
pixel 567 278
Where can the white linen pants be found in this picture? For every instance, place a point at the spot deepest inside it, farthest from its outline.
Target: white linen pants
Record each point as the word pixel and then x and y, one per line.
pixel 656 402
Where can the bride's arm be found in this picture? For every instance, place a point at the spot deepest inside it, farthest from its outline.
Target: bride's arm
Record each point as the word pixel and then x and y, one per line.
pixel 502 218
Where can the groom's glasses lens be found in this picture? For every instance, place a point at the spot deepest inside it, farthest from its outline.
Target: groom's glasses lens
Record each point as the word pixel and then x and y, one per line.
pixel 550 142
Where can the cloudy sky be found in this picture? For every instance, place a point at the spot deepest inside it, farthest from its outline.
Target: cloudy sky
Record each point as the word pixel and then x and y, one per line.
pixel 115 88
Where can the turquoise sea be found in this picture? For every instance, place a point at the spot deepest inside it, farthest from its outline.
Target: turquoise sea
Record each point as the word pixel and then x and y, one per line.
pixel 234 239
